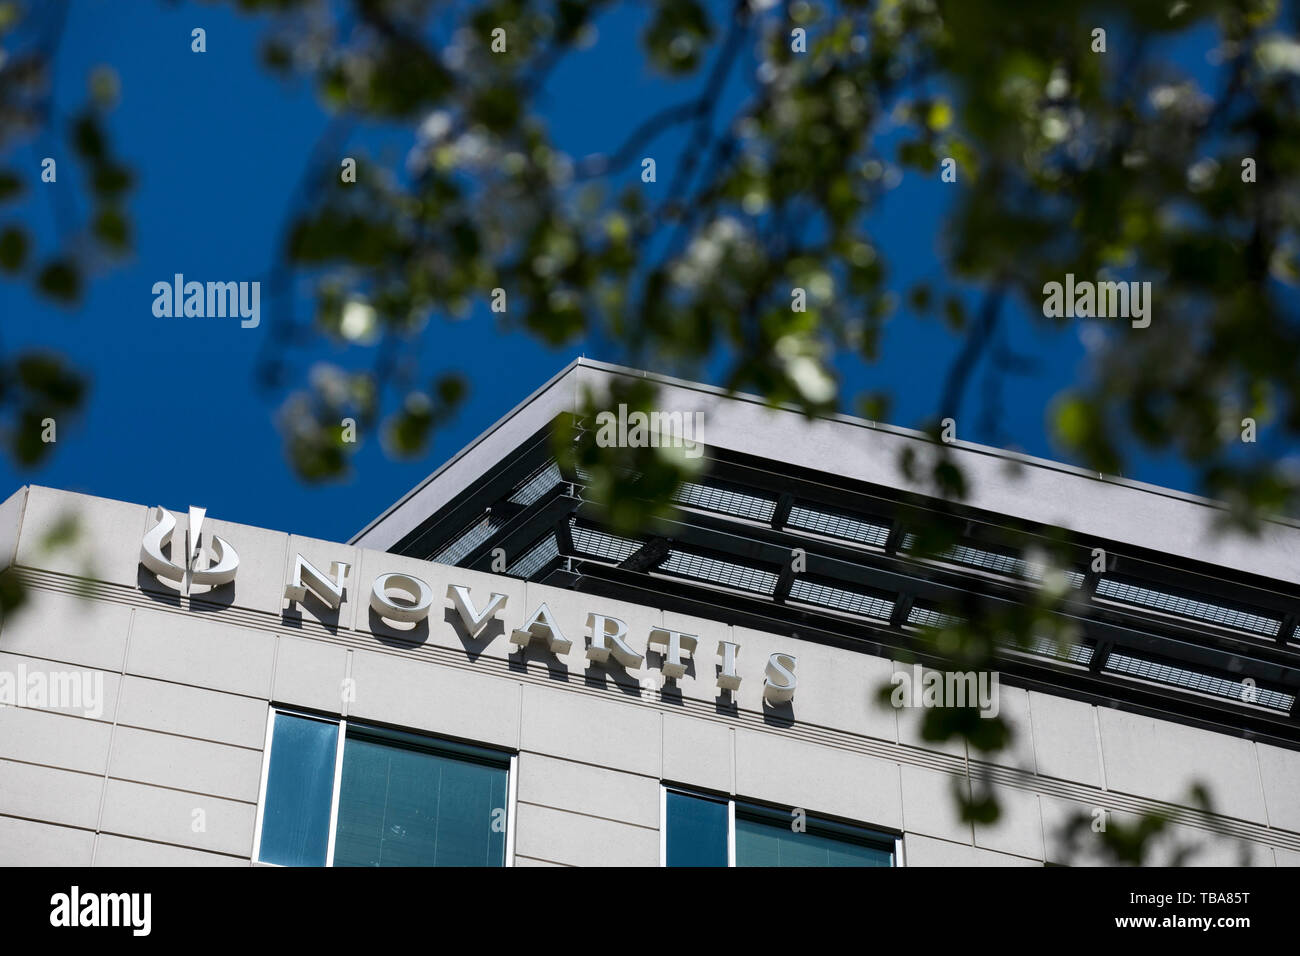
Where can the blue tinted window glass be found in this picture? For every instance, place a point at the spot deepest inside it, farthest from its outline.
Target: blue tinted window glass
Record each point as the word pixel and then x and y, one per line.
pixel 767 838
pixel 299 789
pixel 697 831
pixel 404 805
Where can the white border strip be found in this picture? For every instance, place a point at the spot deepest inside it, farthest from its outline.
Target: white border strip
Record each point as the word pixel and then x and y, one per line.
pixel 261 790
pixel 338 787
pixel 512 808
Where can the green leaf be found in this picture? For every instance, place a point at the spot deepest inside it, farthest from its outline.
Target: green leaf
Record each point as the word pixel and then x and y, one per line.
pixel 13 249
pixel 60 280
pixel 10 185
pixel 49 381
pixel 109 180
pixel 110 227
pixel 88 138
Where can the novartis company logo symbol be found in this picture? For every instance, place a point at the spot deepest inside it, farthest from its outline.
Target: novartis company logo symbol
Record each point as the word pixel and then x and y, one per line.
pixel 219 568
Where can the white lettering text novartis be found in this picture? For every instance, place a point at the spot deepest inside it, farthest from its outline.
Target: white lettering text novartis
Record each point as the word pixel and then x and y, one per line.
pixel 403 598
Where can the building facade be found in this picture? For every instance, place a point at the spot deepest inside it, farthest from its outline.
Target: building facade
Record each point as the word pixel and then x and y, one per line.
pixel 179 689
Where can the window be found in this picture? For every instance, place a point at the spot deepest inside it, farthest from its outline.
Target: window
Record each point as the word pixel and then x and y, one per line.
pixel 766 837
pixel 702 830
pixel 340 794
pixel 299 791
pixel 697 831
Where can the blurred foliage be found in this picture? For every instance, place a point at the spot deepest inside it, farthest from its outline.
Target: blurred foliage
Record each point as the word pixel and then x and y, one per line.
pixel 1105 165
pixel 34 129
pixel 36 388
pixel 1113 165
pixel 630 485
pixel 62 535
pixel 1107 838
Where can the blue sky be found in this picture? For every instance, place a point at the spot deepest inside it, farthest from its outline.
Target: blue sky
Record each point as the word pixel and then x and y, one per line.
pixel 218 145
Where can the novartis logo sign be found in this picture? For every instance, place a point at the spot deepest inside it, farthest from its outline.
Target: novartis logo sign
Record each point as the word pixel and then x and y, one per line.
pixel 221 570
pixel 404 598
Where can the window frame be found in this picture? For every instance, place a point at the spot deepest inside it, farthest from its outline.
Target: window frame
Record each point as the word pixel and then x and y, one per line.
pixel 762 806
pixel 509 762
